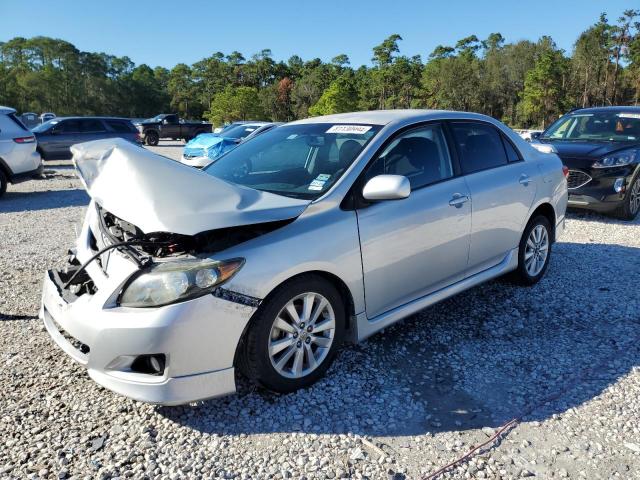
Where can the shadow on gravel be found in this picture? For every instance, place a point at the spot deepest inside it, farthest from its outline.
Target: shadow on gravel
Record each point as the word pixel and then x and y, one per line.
pixel 8 317
pixel 29 201
pixel 588 216
pixel 475 360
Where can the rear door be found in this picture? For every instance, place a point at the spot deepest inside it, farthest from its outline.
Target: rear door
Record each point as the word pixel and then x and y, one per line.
pixel 120 129
pixel 414 246
pixel 502 187
pixel 91 129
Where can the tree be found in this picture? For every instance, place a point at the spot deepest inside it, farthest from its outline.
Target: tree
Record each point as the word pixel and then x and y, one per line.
pixel 241 103
pixel 341 96
pixel 543 89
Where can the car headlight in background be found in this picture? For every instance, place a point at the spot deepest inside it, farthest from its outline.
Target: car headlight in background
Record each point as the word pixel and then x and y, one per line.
pixel 544 147
pixel 618 159
pixel 171 282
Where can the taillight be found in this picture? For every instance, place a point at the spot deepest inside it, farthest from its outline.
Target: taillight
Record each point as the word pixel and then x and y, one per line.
pixel 30 139
pixel 565 171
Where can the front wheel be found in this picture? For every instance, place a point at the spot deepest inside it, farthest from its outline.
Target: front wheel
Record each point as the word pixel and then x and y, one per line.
pixel 295 335
pixel 630 206
pixel 534 251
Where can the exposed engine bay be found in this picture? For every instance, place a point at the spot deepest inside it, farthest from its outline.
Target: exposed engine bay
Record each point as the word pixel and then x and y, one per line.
pixel 165 244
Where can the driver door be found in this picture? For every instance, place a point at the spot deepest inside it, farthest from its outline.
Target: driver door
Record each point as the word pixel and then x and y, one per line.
pixel 420 244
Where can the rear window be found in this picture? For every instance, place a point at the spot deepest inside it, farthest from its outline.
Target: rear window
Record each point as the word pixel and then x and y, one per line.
pixel 17 121
pixel 480 146
pixel 120 126
pixel 91 125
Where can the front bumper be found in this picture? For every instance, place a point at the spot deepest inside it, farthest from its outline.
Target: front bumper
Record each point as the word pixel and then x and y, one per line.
pixel 599 193
pixel 197 162
pixel 198 337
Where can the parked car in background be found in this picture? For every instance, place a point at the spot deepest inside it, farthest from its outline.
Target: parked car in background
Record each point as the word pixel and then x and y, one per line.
pixel 529 135
pixel 314 232
pixel 19 159
pixel 56 136
pixel 30 119
pixel 169 125
pixel 45 117
pixel 206 147
pixel 601 147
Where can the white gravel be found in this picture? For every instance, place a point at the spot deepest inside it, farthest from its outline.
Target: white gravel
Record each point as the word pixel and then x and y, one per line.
pixel 398 406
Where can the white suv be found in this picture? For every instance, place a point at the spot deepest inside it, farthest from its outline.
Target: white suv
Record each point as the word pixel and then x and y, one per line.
pixel 19 159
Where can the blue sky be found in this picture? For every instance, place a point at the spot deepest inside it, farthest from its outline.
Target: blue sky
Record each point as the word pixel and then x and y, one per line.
pixel 165 32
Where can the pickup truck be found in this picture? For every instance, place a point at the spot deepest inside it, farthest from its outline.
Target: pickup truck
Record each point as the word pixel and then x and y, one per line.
pixel 169 125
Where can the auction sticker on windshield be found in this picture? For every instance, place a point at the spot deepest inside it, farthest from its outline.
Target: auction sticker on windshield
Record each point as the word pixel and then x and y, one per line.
pixel 358 129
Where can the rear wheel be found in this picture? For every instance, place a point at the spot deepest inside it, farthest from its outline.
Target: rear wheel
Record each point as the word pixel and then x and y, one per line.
pixel 3 183
pixel 294 337
pixel 152 138
pixel 534 251
pixel 631 204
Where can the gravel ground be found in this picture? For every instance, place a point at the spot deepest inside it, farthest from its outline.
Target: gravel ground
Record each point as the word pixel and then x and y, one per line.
pixel 400 405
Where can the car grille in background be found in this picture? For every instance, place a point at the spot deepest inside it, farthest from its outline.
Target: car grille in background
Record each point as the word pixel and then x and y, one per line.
pixel 190 152
pixel 577 179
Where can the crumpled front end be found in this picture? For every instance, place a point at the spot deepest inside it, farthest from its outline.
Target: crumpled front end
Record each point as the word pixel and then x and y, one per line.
pixel 168 355
pixel 150 214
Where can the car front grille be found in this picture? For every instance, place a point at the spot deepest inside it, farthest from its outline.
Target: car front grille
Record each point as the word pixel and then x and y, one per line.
pixel 190 152
pixel 577 179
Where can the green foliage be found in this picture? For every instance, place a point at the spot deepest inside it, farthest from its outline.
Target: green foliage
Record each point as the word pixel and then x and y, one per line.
pixel 524 83
pixel 339 97
pixel 241 103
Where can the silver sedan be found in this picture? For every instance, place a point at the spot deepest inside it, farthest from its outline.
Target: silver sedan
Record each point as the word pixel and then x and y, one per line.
pixel 317 232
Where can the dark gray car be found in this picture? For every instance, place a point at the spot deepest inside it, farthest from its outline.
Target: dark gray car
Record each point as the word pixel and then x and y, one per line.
pixel 56 136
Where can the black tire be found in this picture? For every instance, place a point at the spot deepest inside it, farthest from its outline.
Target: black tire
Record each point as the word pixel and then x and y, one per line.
pixel 3 183
pixel 256 362
pixel 152 138
pixel 521 275
pixel 629 208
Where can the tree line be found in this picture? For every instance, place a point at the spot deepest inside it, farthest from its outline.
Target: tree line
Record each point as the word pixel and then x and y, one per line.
pixel 524 84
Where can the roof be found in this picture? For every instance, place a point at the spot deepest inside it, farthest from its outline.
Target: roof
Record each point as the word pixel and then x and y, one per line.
pixel 91 118
pixel 7 110
pixel 383 117
pixel 614 108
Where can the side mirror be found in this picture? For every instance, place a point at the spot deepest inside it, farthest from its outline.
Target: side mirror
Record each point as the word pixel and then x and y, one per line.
pixel 165 122
pixel 387 187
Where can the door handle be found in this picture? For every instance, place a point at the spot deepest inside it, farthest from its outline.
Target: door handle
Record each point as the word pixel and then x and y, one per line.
pixel 458 200
pixel 524 179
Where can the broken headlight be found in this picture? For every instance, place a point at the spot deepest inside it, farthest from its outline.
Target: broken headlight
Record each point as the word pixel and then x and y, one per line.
pixel 171 282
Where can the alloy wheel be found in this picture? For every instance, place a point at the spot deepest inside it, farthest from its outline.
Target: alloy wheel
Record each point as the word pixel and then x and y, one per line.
pixel 634 200
pixel 537 250
pixel 301 335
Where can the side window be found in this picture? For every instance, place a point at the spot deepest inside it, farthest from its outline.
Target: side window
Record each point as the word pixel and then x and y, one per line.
pixel 68 126
pixel 420 154
pixel 91 125
pixel 119 126
pixel 512 153
pixel 480 146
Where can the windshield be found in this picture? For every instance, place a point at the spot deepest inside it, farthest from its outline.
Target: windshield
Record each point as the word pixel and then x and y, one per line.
pixel 599 126
pixel 300 161
pixel 43 127
pixel 239 131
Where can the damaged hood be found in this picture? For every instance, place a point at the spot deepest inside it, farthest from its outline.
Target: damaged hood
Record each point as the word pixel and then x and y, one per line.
pixel 160 195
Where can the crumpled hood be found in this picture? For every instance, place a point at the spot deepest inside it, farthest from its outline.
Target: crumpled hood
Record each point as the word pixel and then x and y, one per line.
pixel 158 194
